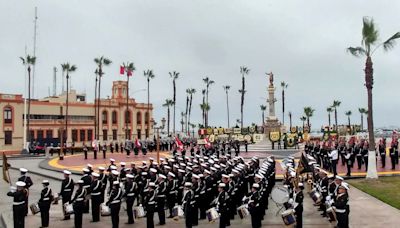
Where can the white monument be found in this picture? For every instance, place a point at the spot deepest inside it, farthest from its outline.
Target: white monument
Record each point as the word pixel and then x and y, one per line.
pixel 272 123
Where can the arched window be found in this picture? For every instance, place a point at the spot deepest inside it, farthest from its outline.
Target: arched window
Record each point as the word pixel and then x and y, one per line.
pixel 146 118
pixel 138 118
pixel 127 116
pixel 114 117
pixel 104 117
pixel 8 115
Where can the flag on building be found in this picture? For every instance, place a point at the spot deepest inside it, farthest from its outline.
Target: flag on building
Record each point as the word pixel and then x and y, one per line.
pixel 6 166
pixel 179 144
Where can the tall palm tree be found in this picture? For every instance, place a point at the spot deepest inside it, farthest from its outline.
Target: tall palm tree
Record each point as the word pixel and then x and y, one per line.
pixel 205 108
pixel 284 85
pixel 69 68
pixel 203 92
pixel 191 92
pixel 329 110
pixel 63 67
pixel 174 75
pixel 192 126
pixel 290 120
pixel 148 75
pixel 369 42
pixel 244 71
pixel 129 68
pixel 362 112
pixel 168 103
pixel 303 118
pixel 308 112
pixel 226 88
pixel 187 109
pixel 100 62
pixel 182 122
pixel 263 108
pixel 208 83
pixel 28 62
pixel 348 114
pixel 335 105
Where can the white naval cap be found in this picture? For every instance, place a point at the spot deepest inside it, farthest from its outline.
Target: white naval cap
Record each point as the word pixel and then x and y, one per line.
pixel 162 176
pixel 129 176
pixel 23 170
pixel 153 170
pixel 188 184
pixel 20 184
pixel 255 185
pixel 221 185
pixel 45 182
pixel 95 174
pixel 67 172
pixel 116 183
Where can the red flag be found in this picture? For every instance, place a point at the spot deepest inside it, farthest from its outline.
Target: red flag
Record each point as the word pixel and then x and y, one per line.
pixel 130 73
pixel 122 70
pixel 137 143
pixel 179 144
pixel 208 143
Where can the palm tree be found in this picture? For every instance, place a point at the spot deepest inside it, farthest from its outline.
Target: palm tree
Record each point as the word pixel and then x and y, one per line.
pixel 303 118
pixel 203 92
pixel 192 126
pixel 174 75
pixel 362 112
pixel 370 35
pixel 69 68
pixel 100 62
pixel 187 109
pixel 208 83
pixel 191 92
pixel 329 110
pixel 28 62
pixel 290 120
pixel 308 112
pixel 182 122
pixel 128 69
pixel 168 103
pixel 284 85
pixel 226 88
pixel 244 71
pixel 148 75
pixel 205 108
pixel 263 108
pixel 348 114
pixel 335 105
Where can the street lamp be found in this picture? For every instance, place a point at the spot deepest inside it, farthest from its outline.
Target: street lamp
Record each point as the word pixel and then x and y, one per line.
pixel 158 137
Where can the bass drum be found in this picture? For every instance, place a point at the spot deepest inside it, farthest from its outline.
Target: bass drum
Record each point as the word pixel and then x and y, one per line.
pixel 280 194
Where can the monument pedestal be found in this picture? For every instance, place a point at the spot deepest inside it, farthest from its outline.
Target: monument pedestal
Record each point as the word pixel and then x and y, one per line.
pixel 272 125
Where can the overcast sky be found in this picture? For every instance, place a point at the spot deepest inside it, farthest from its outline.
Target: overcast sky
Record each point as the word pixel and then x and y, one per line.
pixel 302 42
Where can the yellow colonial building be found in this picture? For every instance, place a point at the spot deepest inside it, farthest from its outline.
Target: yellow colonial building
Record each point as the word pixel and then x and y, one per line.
pixel 47 119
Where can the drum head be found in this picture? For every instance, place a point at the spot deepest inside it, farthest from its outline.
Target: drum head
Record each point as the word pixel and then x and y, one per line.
pixel 280 194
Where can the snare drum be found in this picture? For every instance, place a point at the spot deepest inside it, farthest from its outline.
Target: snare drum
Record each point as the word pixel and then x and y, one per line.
pixel 177 212
pixel 280 194
pixel 68 208
pixel 105 210
pixel 316 197
pixel 331 214
pixel 212 214
pixel 34 208
pixel 243 211
pixel 288 217
pixel 56 198
pixel 139 212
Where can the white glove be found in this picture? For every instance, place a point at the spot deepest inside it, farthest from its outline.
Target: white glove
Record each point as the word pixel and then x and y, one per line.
pixel 290 201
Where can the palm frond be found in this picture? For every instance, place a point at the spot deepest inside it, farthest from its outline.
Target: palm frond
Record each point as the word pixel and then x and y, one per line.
pixel 389 43
pixel 369 33
pixel 23 60
pixel 107 61
pixel 357 51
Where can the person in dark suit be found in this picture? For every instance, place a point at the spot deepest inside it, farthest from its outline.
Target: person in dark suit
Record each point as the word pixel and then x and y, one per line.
pixel 172 192
pixel 20 197
pixel 254 206
pixel 85 150
pixel 342 207
pixel 67 187
pixel 87 181
pixel 150 204
pixel 130 195
pixel 222 206
pixel 161 196
pixel 78 204
pixel 187 204
pixel 95 193
pixel 28 183
pixel 298 205
pixel 46 197
pixel 114 203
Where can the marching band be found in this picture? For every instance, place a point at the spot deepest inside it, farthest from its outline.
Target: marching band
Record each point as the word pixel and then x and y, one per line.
pixel 204 186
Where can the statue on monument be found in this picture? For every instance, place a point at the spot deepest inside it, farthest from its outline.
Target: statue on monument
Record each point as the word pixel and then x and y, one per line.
pixel 271 79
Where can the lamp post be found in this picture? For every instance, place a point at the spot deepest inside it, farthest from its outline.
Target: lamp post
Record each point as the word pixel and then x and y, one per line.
pixel 158 137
